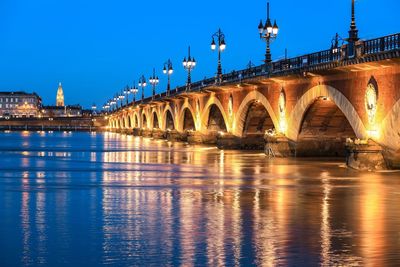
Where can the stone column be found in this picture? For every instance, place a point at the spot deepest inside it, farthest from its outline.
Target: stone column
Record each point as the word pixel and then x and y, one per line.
pixel 365 155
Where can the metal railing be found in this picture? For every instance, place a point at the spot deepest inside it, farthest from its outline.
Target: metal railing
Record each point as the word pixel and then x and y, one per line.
pixel 335 54
pixel 382 44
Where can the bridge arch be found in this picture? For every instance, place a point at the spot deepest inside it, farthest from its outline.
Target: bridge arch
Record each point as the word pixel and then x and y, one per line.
pixel 122 122
pixel 187 119
pixel 308 98
pixel 144 120
pixel 214 117
pixel 131 118
pixel 168 119
pixel 155 122
pixel 252 102
pixel 127 122
pixel 389 135
pixel 135 120
pixel 321 120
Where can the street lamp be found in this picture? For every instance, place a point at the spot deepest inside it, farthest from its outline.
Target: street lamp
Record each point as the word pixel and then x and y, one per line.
pixel 268 33
pixel 114 102
pixel 127 91
pixel 134 91
pixel 142 84
pixel 189 64
pixel 220 36
pixel 154 81
pixel 168 70
pixel 121 98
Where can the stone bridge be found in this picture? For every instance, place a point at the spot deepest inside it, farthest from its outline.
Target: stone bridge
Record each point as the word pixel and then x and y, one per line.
pixel 322 104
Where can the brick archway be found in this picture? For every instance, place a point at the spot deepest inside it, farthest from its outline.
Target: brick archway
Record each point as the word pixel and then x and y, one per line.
pixel 135 120
pixel 390 129
pixel 181 123
pixel 144 119
pixel 151 117
pixel 308 98
pixel 240 117
pixel 164 116
pixel 206 112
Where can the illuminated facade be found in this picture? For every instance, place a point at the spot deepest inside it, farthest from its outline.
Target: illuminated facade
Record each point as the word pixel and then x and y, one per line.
pixel 62 111
pixel 60 96
pixel 19 105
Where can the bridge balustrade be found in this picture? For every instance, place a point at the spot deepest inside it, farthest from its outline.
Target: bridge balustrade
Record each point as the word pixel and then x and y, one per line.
pixel 382 44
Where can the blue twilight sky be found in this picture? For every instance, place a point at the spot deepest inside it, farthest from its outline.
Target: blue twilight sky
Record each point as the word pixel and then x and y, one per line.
pixel 96 47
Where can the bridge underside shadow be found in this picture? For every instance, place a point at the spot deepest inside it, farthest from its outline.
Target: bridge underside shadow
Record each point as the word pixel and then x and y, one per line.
pixel 323 131
pixel 256 123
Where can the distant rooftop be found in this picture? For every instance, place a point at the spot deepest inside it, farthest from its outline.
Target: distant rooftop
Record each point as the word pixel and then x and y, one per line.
pixel 18 93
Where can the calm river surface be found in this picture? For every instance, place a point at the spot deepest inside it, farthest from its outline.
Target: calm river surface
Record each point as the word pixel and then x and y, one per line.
pixel 80 199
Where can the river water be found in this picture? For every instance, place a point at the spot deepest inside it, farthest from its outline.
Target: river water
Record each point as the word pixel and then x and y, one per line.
pixel 81 199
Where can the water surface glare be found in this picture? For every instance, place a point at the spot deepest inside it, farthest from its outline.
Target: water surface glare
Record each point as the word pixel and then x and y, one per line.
pixel 81 199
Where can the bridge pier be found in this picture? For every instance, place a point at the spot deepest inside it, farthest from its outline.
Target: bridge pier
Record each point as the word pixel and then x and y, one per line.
pixel 194 137
pixel 174 135
pixel 230 141
pixel 137 132
pixel 159 134
pixel 279 146
pixel 365 155
pixel 147 133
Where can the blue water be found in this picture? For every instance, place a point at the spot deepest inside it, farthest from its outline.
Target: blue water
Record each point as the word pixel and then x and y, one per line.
pixel 81 199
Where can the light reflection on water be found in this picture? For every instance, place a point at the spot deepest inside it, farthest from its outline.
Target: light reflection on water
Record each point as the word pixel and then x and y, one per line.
pixel 73 199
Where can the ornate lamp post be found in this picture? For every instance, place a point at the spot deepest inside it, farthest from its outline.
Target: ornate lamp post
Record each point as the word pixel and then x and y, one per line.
pixel 189 64
pixel 168 70
pixel 220 36
pixel 107 106
pixel 353 33
pixel 114 102
pixel 268 33
pixel 134 91
pixel 154 81
pixel 121 98
pixel 127 91
pixel 142 84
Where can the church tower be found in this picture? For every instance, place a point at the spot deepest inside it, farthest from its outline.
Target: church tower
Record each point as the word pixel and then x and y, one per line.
pixel 60 96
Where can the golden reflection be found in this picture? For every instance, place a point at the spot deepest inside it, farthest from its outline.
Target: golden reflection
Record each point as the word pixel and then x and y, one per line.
pixel 264 229
pixel 373 220
pixel 236 228
pixel 325 225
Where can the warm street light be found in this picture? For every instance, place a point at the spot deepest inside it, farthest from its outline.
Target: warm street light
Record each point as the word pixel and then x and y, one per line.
pixel 268 33
pixel 142 84
pixel 121 98
pixel 168 70
pixel 134 91
pixel 189 64
pixel 154 81
pixel 220 36
pixel 127 91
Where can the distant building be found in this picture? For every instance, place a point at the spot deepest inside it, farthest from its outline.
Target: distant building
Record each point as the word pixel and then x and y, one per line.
pixel 19 105
pixel 60 96
pixel 65 111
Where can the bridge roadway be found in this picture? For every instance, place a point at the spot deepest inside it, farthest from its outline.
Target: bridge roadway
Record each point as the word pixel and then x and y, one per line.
pixel 321 104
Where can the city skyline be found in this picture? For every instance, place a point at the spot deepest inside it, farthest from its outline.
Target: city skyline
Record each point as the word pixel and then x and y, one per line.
pixel 75 44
